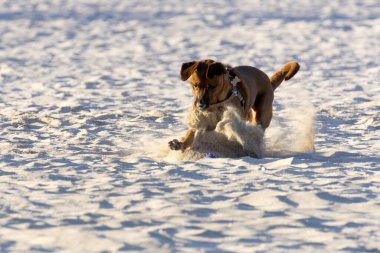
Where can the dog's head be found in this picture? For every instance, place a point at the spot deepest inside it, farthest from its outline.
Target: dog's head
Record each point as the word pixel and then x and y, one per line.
pixel 208 82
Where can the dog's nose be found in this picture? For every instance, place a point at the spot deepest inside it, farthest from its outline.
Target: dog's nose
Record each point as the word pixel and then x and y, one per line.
pixel 202 105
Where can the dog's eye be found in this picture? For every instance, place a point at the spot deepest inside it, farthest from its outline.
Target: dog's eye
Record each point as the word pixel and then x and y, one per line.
pixel 196 86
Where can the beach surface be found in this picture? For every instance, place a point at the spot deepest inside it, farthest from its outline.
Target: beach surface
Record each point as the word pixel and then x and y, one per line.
pixel 90 95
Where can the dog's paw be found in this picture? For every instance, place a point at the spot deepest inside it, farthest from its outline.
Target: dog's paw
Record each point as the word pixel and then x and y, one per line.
pixel 175 144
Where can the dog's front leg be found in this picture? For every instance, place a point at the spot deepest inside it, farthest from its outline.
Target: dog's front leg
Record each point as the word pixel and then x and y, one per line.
pixel 185 142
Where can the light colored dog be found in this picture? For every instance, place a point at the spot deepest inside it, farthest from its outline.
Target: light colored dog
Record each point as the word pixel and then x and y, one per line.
pixel 216 86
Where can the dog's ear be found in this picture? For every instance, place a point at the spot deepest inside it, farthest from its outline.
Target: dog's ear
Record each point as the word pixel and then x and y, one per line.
pixel 215 69
pixel 187 70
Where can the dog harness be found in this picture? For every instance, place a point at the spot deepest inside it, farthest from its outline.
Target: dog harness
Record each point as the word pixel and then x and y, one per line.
pixel 234 80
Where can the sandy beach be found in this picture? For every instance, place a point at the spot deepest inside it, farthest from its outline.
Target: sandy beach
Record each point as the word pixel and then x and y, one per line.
pixel 90 95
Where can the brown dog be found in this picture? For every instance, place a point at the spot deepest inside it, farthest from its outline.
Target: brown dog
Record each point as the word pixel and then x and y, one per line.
pixel 216 85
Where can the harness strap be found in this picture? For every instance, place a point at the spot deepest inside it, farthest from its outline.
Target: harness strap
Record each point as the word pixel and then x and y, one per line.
pixel 234 80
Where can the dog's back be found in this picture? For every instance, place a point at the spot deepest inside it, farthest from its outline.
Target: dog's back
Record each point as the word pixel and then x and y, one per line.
pixel 258 89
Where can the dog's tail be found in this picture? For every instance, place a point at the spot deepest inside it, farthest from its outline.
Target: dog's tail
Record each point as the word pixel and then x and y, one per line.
pixel 286 72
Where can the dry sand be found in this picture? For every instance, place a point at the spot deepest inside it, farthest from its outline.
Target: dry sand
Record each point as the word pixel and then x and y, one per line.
pixel 89 90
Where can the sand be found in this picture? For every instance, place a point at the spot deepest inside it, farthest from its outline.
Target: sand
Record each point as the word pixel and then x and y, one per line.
pixel 90 95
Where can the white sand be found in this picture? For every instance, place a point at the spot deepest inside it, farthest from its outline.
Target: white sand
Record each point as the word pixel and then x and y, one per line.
pixel 89 90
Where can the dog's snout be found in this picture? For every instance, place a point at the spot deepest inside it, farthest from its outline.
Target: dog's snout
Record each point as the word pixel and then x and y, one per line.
pixel 203 104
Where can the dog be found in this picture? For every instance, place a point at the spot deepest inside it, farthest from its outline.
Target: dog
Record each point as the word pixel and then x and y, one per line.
pixel 216 85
